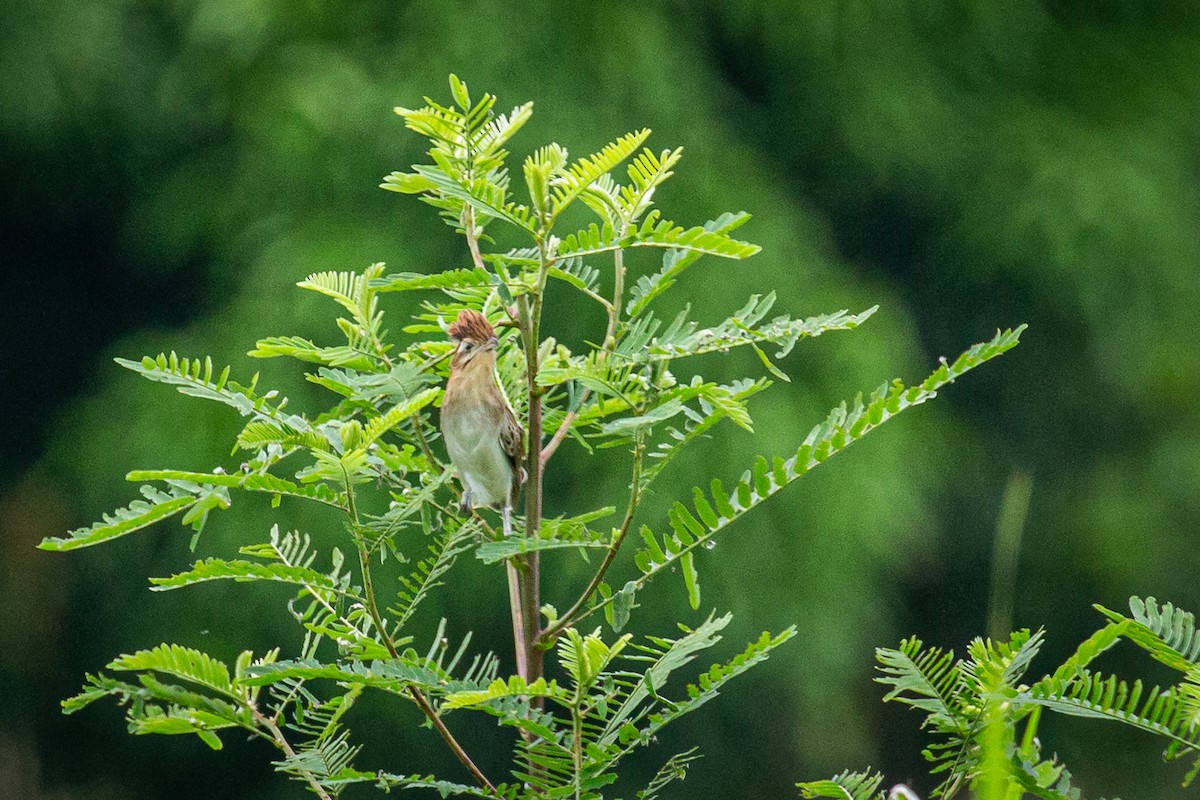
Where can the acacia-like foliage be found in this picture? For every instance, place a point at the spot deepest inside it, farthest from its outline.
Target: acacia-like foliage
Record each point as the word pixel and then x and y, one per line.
pixel 984 717
pixel 606 694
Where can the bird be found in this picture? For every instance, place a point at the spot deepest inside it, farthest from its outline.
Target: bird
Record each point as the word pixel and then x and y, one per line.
pixel 485 441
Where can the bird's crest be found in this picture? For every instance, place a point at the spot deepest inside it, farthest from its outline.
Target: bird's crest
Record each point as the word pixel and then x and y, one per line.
pixel 471 325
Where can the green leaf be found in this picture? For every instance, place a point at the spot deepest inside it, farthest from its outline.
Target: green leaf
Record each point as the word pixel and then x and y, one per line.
pixel 383 423
pixel 686 338
pixel 1167 633
pixel 845 786
pixel 654 232
pixel 482 194
pixel 622 606
pixel 675 769
pixel 394 676
pixel 706 687
pixel 427 574
pixel 569 184
pixel 387 780
pixel 305 350
pixel 492 552
pixel 251 482
pixel 459 90
pixel 675 261
pixel 925 679
pixel 181 662
pixel 691 579
pixel 844 426
pixel 183 721
pixel 446 280
pixel 667 656
pixel 213 569
pixel 586 657
pixel 195 378
pixel 514 686
pixel 137 515
pixel 1156 710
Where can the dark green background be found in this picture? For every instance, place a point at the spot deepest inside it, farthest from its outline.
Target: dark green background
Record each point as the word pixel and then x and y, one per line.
pixel 171 169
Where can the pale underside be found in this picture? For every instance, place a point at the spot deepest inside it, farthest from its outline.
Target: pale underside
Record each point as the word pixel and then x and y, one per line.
pixel 473 440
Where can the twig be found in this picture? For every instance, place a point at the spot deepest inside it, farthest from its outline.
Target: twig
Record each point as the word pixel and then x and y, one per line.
pixel 441 728
pixel 528 566
pixel 364 561
pixel 563 429
pixel 282 743
pixel 552 631
pixel 610 344
pixel 472 237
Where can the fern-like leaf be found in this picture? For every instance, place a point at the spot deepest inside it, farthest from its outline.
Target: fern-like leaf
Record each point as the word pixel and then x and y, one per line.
pixel 383 423
pixel 394 676
pixel 215 569
pixel 303 349
pixel 845 786
pixel 1155 710
pixel 687 338
pixel 674 770
pixel 388 781
pixel 139 514
pixel 926 679
pixel 654 232
pixel 181 662
pixel 695 527
pixel 446 280
pixel 252 482
pixel 427 574
pixel 196 378
pixel 571 182
pixel 1164 631
pixel 675 261
pixel 706 687
pixel 514 686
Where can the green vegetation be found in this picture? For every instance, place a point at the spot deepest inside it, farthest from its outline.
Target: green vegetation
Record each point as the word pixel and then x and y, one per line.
pixel 174 168
pixel 985 719
pixel 370 456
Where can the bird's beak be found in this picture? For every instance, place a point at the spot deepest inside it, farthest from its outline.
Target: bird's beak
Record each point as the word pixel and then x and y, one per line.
pixel 493 342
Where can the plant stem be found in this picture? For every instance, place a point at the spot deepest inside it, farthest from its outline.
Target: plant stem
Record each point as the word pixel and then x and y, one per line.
pixel 546 638
pixel 524 571
pixel 528 566
pixel 562 431
pixel 282 743
pixel 455 747
pixel 364 562
pixel 518 617
pixel 1031 726
pixel 576 610
pixel 610 344
pixel 472 236
pixel 1010 525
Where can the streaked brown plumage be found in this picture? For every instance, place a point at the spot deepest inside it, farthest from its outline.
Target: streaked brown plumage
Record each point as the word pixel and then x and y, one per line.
pixel 485 441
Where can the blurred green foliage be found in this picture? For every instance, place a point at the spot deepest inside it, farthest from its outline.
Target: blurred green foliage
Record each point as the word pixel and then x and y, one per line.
pixel 967 165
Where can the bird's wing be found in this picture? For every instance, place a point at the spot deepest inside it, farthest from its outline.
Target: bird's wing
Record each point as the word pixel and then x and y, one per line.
pixel 512 439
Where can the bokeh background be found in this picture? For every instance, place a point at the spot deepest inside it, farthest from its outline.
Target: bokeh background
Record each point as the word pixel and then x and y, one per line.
pixel 170 169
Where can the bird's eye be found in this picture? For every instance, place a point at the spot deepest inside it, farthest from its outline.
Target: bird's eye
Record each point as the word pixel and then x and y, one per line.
pixel 467 345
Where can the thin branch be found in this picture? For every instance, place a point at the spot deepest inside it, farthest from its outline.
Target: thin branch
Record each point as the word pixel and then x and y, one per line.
pixel 282 743
pixel 528 567
pixel 441 728
pixel 576 611
pixel 518 617
pixel 610 345
pixel 472 236
pixel 562 431
pixel 364 561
